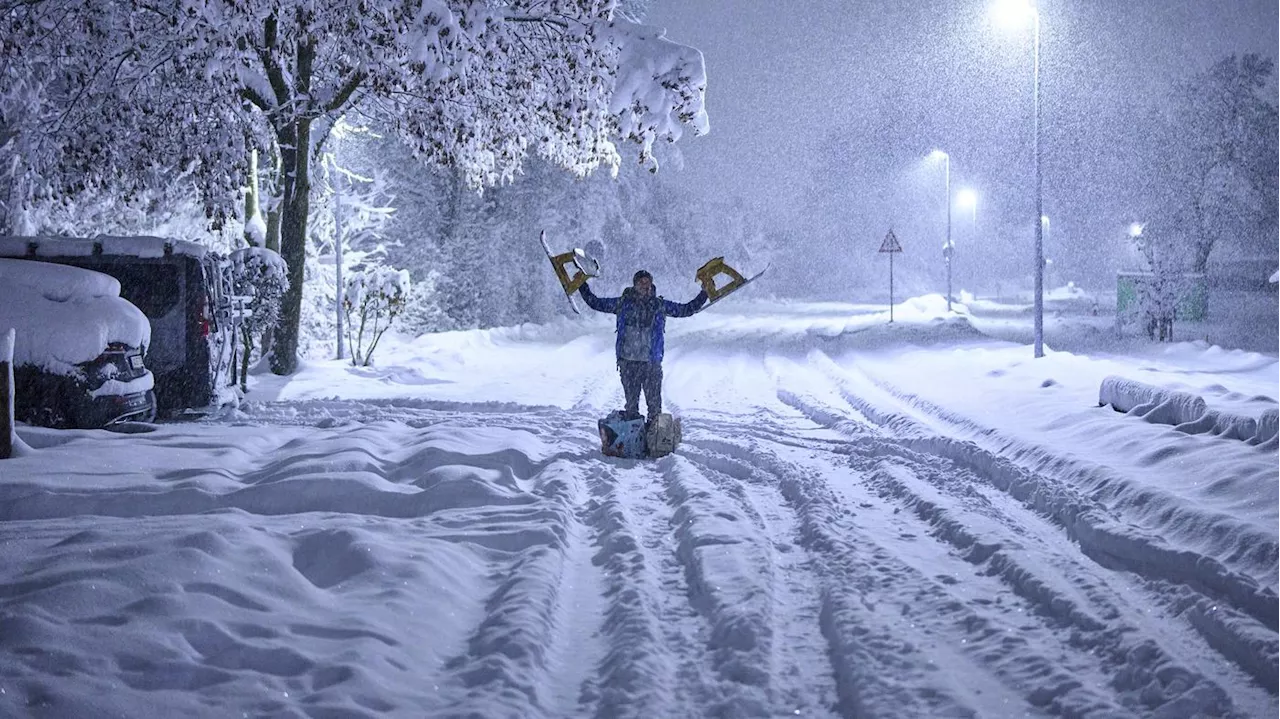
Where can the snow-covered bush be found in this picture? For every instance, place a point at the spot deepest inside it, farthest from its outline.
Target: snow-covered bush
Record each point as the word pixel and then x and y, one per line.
pixel 259 279
pixel 371 301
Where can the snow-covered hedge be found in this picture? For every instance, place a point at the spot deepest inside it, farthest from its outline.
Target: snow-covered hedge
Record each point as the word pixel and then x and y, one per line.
pixel 65 315
pixel 1154 404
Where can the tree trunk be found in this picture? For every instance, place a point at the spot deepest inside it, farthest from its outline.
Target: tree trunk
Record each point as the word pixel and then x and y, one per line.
pixel 296 180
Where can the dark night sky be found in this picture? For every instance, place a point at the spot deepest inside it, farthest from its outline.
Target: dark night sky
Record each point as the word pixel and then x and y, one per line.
pixel 821 111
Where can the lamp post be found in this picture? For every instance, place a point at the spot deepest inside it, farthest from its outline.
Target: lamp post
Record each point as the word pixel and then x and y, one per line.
pixel 948 249
pixel 1014 11
pixel 1045 227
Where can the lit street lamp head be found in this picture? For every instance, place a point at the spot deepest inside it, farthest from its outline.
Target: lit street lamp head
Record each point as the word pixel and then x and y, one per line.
pixel 966 198
pixel 1013 13
pixel 938 155
pixel 1135 230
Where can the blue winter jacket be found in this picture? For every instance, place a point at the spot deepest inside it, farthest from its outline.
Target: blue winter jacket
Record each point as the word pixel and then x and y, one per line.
pixel 620 306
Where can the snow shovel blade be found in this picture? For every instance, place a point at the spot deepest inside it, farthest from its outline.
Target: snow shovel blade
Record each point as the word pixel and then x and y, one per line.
pixel 584 267
pixel 717 266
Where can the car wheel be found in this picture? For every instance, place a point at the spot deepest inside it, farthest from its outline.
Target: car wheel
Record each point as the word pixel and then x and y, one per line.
pixel 150 416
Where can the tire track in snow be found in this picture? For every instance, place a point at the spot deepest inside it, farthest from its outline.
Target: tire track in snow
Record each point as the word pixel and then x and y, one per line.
pixel 765 611
pixel 637 676
pixel 888 628
pixel 1233 613
pixel 1144 669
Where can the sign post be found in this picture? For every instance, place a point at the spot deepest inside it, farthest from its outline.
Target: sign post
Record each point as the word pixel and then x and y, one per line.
pixel 891 246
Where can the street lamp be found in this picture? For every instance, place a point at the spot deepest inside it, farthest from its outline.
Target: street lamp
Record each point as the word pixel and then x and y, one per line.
pixel 1014 13
pixel 947 249
pixel 967 198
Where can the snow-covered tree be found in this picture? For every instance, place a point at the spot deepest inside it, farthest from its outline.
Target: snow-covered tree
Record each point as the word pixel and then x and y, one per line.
pixel 470 84
pixel 1159 291
pixel 1220 145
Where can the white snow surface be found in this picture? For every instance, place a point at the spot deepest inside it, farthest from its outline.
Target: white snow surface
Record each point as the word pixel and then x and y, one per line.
pixel 906 520
pixel 65 315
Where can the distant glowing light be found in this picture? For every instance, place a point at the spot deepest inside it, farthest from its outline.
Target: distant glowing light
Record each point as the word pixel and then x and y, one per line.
pixel 966 198
pixel 1135 230
pixel 938 155
pixel 1012 14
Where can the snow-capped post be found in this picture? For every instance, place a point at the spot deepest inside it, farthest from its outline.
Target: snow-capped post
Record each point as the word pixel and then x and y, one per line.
pixel 6 393
pixel 891 246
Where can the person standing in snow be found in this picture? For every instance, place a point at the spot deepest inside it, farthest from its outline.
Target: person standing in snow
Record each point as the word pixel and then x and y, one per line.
pixel 642 320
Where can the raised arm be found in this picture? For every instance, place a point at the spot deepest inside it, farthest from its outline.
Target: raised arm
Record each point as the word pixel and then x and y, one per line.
pixel 599 304
pixel 675 309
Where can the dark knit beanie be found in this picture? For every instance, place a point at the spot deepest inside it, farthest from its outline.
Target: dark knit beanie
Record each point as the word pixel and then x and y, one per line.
pixel 642 273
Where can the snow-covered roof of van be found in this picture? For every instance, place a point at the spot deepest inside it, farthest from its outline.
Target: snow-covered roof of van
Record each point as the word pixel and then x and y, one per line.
pixel 81 247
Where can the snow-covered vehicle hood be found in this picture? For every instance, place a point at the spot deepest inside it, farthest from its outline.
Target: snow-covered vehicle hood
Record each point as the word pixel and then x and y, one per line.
pixel 65 315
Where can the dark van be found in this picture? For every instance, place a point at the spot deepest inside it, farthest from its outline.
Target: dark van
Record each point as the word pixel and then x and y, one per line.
pixel 183 288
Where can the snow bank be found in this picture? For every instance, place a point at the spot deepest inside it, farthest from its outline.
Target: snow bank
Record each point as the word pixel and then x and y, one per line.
pixel 65 315
pixel 1154 404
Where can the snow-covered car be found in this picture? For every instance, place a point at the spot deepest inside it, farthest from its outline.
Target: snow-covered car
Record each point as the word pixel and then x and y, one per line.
pixel 183 288
pixel 79 353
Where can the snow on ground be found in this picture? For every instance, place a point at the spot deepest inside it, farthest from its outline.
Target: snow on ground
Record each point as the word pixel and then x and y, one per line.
pixel 864 519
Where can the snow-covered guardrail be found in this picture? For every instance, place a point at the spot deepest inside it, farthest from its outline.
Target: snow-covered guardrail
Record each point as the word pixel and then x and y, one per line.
pixel 6 393
pixel 1154 404
pixel 1268 426
pixel 1187 412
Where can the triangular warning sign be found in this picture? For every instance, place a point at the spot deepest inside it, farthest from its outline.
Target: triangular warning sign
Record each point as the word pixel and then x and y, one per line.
pixel 890 243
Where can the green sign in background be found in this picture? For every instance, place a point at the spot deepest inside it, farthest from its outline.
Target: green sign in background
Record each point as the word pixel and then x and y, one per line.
pixel 1193 294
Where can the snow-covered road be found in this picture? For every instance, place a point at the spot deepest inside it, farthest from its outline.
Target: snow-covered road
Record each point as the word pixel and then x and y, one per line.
pixel 440 537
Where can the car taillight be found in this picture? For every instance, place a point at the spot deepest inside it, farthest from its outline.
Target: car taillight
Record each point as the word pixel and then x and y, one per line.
pixel 204 316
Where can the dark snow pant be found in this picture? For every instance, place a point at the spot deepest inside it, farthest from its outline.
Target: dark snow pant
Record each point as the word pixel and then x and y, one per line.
pixel 638 376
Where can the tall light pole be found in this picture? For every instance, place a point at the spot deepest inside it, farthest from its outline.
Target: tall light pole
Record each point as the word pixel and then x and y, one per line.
pixel 1014 11
pixel 948 249
pixel 1045 227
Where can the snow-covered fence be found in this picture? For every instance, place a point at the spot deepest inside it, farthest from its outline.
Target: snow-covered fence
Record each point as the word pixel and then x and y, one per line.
pixel 1154 404
pixel 6 393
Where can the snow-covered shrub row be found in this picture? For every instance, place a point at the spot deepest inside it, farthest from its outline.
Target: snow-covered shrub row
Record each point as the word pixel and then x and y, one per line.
pixel 1154 404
